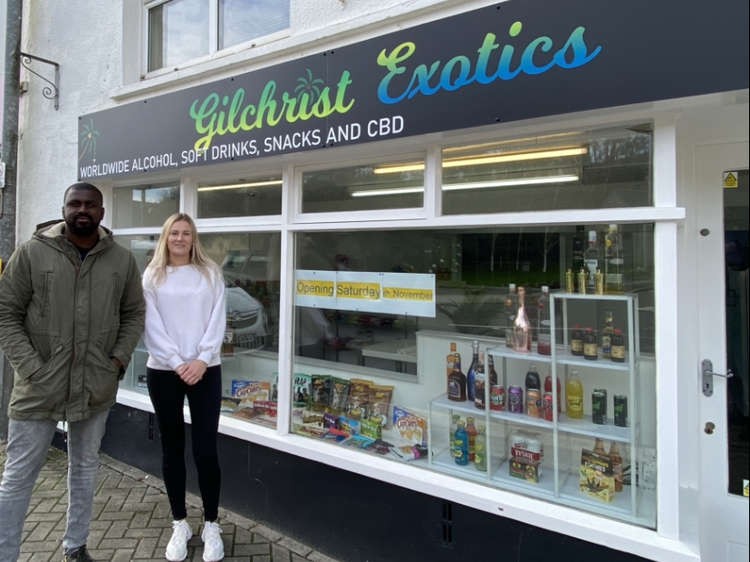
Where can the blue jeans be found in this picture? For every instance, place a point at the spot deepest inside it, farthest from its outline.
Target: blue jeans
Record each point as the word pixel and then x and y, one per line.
pixel 28 443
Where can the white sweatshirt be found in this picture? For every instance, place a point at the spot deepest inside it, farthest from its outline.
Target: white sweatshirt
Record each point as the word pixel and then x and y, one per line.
pixel 185 318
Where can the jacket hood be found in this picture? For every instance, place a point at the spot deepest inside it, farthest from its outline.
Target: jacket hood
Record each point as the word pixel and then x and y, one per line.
pixel 56 228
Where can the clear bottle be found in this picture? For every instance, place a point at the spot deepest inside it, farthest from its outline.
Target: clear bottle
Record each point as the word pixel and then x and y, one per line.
pixel 543 331
pixel 461 445
pixel 471 430
pixel 592 261
pixel 614 263
pixel 480 449
pixel 480 381
pixel 471 374
pixel 607 332
pixel 511 304
pixel 521 325
pixel 574 396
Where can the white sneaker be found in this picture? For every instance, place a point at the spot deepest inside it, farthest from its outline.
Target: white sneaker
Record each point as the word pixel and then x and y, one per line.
pixel 177 547
pixel 213 547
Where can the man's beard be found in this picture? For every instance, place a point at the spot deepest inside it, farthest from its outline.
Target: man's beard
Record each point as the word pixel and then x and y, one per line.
pixel 82 229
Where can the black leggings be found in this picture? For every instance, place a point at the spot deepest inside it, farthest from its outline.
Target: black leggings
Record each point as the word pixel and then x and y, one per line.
pixel 168 393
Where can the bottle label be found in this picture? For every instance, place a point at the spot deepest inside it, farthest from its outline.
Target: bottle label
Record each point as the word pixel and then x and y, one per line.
pixel 576 346
pixel 589 349
pixel 606 345
pixel 618 351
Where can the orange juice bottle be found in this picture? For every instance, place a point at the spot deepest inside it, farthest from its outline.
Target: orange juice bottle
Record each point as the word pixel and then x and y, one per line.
pixel 574 396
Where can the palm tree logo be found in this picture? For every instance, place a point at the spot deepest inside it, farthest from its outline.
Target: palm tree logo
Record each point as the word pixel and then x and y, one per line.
pixel 308 85
pixel 87 140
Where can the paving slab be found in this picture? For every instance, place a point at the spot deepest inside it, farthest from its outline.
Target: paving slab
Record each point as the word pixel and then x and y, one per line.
pixel 131 520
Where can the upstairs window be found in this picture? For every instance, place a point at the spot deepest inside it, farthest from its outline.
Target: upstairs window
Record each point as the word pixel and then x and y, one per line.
pixel 183 30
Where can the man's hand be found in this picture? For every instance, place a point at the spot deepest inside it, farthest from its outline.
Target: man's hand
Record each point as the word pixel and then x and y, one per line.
pixel 118 364
pixel 192 371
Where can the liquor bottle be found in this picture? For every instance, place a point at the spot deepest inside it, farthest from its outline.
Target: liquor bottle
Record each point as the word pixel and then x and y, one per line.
pixel 548 388
pixel 582 282
pixel 574 396
pixel 532 378
pixel 613 264
pixel 450 359
pixel 492 371
pixel 511 302
pixel 592 259
pixel 480 449
pixel 579 246
pixel 576 341
pixel 607 332
pixel 471 374
pixel 616 459
pixel 590 350
pixel 618 346
pixel 570 285
pixel 456 379
pixel 544 334
pixel 461 445
pixel 480 380
pixel 472 432
pixel 521 325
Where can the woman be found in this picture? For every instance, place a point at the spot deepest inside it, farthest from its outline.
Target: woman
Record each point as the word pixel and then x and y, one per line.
pixel 185 323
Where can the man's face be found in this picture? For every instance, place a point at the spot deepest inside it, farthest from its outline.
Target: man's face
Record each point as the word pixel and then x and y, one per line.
pixel 83 212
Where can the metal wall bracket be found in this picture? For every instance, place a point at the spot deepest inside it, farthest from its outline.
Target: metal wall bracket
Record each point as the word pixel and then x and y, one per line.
pixel 707 376
pixel 51 92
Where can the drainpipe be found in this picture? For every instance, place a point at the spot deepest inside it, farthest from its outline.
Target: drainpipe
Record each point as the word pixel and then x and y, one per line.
pixel 9 156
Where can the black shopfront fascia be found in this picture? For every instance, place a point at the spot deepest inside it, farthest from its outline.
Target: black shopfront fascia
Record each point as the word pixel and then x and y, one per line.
pixel 580 55
pixel 515 60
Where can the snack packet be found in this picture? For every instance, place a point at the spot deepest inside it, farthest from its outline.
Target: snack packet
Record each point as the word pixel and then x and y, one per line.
pixel 380 403
pixel 359 398
pixel 411 427
pixel 321 392
pixel 339 394
pixel 302 389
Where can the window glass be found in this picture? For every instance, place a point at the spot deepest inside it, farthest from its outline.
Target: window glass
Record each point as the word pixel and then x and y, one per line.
pixel 177 32
pixel 586 170
pixel 364 188
pixel 242 20
pixel 241 198
pixel 250 265
pixel 144 205
pixel 376 314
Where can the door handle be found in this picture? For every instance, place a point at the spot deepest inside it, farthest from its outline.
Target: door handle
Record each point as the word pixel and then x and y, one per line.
pixel 707 376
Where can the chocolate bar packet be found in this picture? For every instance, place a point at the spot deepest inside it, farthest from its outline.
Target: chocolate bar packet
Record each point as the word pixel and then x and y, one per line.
pixel 321 392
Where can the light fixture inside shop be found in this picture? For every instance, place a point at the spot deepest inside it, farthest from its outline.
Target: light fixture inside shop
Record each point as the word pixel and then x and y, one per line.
pixel 239 185
pixel 566 178
pixel 488 159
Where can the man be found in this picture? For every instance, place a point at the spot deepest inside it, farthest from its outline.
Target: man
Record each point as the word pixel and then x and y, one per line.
pixel 71 313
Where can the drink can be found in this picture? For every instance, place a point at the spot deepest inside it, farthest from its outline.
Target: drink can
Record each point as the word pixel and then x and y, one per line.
pixel 621 410
pixel 497 397
pixel 599 406
pixel 533 403
pixel 548 406
pixel 515 399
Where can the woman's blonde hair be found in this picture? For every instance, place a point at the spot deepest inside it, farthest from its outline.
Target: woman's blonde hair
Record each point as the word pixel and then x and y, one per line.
pixel 157 267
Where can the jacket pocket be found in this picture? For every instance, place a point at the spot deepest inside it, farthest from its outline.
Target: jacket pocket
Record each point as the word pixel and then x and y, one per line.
pixel 102 377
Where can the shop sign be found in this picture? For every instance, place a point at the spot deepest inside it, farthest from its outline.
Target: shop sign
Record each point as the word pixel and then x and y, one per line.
pixel 390 293
pixel 515 60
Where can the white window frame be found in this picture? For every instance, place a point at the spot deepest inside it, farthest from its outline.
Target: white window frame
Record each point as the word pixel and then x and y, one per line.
pixel 662 543
pixel 213 39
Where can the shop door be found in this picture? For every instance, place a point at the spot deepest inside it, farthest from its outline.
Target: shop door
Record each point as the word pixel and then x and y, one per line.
pixel 722 245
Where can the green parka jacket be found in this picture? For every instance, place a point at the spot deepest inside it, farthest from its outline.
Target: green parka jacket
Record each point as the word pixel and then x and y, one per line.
pixel 63 319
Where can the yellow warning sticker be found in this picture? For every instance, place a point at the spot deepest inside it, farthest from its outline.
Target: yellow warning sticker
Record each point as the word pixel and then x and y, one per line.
pixel 400 293
pixel 729 180
pixel 746 488
pixel 352 290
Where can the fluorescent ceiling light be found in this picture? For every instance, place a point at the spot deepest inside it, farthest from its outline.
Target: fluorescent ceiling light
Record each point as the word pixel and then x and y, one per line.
pixel 471 185
pixel 239 185
pixel 513 182
pixel 391 191
pixel 488 159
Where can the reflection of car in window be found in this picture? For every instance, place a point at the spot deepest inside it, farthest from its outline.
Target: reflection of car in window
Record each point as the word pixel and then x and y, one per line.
pixel 246 317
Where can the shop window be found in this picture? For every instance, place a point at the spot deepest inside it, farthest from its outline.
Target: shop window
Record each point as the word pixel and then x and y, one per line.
pixel 183 30
pixel 380 316
pixel 250 265
pixel 240 198
pixel 147 205
pixel 393 185
pixel 589 170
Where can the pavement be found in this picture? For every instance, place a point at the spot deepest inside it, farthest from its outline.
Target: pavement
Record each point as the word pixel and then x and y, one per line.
pixel 132 520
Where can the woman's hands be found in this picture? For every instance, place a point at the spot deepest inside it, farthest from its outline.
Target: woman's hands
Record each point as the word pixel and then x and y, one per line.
pixel 192 371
